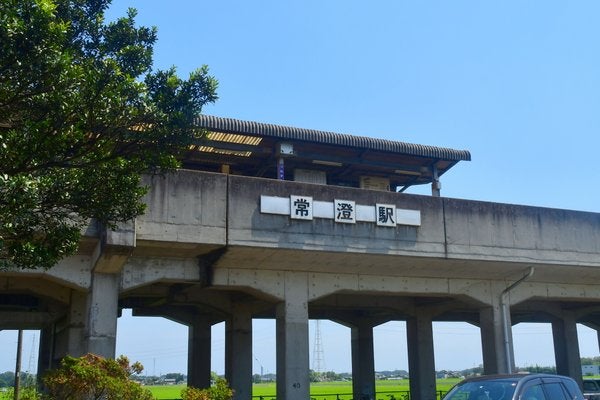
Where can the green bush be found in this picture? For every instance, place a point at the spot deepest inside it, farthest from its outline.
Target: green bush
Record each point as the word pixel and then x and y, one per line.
pixel 27 393
pixel 94 377
pixel 219 391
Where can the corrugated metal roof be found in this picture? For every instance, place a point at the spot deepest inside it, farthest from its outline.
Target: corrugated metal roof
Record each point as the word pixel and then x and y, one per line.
pixel 231 125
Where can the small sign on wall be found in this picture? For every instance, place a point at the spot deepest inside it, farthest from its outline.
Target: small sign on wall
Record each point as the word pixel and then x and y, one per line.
pixel 341 211
pixel 302 207
pixel 386 214
pixel 345 211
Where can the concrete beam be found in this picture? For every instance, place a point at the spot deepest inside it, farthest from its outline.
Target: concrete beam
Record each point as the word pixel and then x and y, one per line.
pixel 36 286
pixel 26 319
pixel 184 208
pixel 143 271
pixel 114 248
pixel 73 272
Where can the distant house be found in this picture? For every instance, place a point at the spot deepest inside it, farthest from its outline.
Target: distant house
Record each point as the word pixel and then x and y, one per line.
pixel 590 370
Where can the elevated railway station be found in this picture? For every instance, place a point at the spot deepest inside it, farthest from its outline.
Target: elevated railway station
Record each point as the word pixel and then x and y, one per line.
pixel 265 221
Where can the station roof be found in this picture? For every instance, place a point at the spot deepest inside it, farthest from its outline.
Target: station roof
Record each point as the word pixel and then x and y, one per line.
pixel 254 148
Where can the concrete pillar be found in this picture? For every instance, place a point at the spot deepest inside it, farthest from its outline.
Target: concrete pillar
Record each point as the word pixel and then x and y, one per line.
pixel 238 353
pixel 45 352
pixel 292 339
pixel 566 348
pixel 199 353
pixel 494 341
pixel 78 317
pixel 421 365
pixel 363 362
pixel 103 313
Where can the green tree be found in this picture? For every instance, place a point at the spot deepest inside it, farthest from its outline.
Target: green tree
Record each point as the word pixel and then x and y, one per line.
pixel 7 379
pixel 590 360
pixel 94 377
pixel 82 114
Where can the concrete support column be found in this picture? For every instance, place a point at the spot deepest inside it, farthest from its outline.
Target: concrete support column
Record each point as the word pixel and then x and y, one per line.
pixel 103 313
pixel 76 326
pixel 46 351
pixel 566 348
pixel 68 333
pixel 199 353
pixel 363 362
pixel 421 365
pixel 494 341
pixel 238 353
pixel 292 339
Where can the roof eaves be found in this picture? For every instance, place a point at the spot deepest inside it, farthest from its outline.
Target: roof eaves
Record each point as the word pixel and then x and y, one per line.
pixel 230 125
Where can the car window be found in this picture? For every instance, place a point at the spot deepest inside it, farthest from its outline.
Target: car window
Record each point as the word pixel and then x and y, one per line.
pixel 573 391
pixel 483 390
pixel 555 391
pixel 534 392
pixel 589 385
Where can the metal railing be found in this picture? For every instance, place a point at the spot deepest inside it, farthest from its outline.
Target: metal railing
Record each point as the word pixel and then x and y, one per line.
pixel 383 395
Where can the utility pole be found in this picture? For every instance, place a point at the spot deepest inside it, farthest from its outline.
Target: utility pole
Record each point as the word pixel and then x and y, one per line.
pixel 18 366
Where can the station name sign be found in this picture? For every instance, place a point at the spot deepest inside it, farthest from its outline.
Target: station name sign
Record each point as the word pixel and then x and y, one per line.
pixel 341 211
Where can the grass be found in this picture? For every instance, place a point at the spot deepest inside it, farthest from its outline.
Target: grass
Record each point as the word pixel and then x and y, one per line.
pixel 166 392
pixel 319 390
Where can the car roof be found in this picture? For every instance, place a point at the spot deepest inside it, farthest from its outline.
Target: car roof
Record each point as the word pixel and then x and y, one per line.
pixel 511 377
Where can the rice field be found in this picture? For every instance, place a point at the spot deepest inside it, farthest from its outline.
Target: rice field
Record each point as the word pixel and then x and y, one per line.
pixel 319 391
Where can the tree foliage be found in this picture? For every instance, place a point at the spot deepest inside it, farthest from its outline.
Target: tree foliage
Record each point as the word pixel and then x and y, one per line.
pixel 218 391
pixel 590 360
pixel 94 377
pixel 82 114
pixel 7 379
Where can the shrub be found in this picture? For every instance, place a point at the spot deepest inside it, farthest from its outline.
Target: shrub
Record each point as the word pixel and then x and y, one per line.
pixel 92 377
pixel 219 391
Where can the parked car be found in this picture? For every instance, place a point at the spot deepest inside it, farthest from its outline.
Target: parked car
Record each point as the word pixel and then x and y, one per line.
pixel 516 387
pixel 591 389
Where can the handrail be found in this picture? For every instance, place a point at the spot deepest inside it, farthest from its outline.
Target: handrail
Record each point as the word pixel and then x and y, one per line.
pixel 382 395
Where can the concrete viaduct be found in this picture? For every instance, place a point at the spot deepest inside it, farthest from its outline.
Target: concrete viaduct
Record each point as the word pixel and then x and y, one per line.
pixel 217 246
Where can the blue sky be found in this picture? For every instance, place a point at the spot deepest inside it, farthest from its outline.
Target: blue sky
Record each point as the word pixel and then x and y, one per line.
pixel 517 83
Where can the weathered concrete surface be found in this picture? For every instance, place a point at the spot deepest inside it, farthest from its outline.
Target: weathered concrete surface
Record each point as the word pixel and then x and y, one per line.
pixel 248 227
pixel 114 248
pixel 492 231
pixel 363 361
pixel 292 340
pixel 419 334
pixel 207 229
pixel 186 214
pixel 464 238
pixel 204 247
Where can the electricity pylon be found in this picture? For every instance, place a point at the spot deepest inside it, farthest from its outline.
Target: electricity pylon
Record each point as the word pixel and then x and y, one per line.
pixel 318 353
